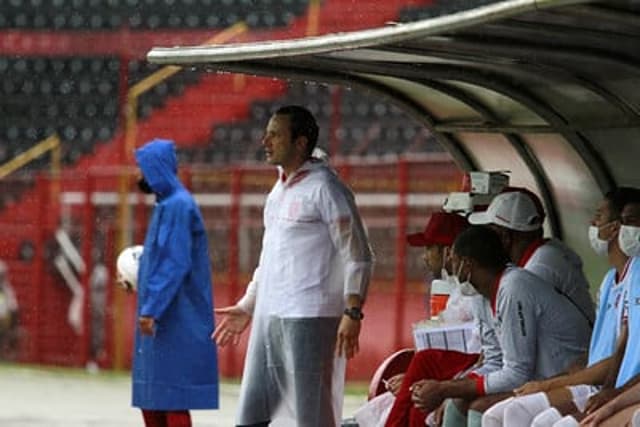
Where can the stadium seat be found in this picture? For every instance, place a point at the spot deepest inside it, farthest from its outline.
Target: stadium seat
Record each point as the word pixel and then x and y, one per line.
pixel 73 96
pixel 438 8
pixel 147 14
pixel 395 364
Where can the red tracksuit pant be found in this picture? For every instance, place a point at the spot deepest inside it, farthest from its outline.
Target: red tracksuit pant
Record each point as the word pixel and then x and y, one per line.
pixel 166 418
pixel 426 365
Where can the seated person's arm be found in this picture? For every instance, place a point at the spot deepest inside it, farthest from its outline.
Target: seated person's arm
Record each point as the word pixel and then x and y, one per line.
pixel 579 364
pixel 594 374
pixel 428 395
pixel 518 360
pixel 519 344
pixel 393 384
pixel 609 391
pixel 471 368
pixel 621 345
pixel 630 396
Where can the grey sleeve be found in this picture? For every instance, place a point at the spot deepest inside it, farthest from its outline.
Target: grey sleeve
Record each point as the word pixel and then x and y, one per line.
pixel 519 335
pixel 491 352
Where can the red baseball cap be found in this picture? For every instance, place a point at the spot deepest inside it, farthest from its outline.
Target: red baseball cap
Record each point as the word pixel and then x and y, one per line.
pixel 442 229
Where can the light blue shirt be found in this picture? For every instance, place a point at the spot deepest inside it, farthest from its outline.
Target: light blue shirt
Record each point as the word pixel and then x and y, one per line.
pixel 630 366
pixel 606 329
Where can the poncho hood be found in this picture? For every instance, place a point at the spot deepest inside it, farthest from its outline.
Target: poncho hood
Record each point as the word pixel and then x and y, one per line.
pixel 159 164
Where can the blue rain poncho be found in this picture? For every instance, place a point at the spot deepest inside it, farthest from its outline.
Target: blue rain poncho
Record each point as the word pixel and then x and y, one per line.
pixel 176 368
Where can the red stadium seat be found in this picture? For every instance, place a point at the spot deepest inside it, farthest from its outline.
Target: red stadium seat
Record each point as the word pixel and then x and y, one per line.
pixel 393 365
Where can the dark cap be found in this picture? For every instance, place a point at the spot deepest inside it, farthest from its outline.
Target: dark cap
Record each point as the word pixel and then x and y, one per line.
pixel 441 229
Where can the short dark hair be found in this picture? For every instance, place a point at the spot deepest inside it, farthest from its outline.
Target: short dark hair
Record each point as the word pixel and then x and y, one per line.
pixel 483 245
pixel 619 197
pixel 302 123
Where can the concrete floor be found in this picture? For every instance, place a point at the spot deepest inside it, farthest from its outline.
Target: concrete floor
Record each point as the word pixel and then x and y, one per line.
pixel 46 397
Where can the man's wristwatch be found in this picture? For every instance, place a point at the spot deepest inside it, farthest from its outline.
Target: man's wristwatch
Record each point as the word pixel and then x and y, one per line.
pixel 354 312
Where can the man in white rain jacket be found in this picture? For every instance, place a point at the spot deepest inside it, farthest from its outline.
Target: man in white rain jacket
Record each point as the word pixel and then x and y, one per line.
pixel 306 295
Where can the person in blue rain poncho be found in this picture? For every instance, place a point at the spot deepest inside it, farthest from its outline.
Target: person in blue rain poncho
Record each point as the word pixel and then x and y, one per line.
pixel 174 362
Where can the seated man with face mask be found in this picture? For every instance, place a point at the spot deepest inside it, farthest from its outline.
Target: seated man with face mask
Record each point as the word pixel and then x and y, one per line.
pixel 614 233
pixel 539 336
pixel 437 238
pixel 517 216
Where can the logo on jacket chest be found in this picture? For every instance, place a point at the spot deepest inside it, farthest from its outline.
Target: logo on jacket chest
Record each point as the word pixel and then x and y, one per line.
pixel 294 209
pixel 297 209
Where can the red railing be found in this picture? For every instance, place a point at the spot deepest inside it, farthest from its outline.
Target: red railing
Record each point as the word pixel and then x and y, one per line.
pixel 394 199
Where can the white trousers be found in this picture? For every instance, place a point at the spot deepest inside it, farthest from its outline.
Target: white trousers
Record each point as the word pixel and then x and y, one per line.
pixel 515 411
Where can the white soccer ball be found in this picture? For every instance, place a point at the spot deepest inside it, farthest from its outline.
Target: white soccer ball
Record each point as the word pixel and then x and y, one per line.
pixel 128 264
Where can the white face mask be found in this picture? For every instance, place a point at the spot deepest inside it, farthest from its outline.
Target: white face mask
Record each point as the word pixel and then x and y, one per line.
pixel 466 288
pixel 444 274
pixel 601 247
pixel 629 240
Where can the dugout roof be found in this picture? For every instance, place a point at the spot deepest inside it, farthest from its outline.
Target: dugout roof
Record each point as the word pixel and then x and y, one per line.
pixel 546 89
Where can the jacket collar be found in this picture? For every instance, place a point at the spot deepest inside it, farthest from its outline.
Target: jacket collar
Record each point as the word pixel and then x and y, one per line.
pixel 305 169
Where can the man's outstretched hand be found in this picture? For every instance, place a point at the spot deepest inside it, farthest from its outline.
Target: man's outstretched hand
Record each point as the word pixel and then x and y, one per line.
pixel 234 322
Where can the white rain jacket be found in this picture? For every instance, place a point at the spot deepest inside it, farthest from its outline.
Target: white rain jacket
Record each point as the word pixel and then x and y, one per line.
pixel 315 252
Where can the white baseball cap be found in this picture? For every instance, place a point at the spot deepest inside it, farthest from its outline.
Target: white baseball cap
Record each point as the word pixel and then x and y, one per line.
pixel 515 209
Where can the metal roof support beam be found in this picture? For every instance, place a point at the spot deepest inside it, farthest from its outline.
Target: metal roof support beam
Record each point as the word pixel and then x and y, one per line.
pixel 583 147
pixel 520 147
pixel 608 14
pixel 493 127
pixel 538 69
pixel 524 52
pixel 580 144
pixel 520 29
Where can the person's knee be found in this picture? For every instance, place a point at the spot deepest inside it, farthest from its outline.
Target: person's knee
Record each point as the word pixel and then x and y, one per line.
pixel 494 416
pixel 517 414
pixel 483 403
pixel 522 410
pixel 567 421
pixel 546 418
